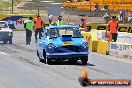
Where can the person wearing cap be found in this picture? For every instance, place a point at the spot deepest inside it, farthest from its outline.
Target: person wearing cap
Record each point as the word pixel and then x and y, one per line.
pixel 60 21
pixel 39 24
pixel 29 26
pixel 50 19
pixel 113 29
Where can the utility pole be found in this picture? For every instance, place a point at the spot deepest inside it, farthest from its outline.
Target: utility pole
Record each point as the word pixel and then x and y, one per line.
pixel 38 12
pixel 90 8
pixel 12 7
pixel 37 6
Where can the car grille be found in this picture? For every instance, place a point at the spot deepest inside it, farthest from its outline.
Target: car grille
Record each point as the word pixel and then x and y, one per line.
pixel 4 34
pixel 67 49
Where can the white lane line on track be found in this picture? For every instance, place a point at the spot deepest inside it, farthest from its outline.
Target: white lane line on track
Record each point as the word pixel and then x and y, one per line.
pixel 3 53
pixel 115 58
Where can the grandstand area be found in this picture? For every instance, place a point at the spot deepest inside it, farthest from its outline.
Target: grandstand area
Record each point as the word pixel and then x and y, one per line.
pixel 85 5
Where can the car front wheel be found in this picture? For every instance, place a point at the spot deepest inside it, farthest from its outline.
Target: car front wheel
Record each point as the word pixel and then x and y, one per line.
pixel 48 60
pixel 10 41
pixel 40 59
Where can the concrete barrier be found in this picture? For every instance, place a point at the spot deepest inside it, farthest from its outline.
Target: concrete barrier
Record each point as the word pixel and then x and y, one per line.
pixel 92 40
pixel 121 50
pixel 103 47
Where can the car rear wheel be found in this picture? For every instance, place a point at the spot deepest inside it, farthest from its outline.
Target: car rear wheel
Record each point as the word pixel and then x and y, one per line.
pixel 84 60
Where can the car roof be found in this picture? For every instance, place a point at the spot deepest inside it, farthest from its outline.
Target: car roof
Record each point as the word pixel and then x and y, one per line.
pixel 61 27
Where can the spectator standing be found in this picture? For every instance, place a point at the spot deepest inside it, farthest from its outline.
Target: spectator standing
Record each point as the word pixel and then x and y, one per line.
pixel 50 19
pixel 122 15
pixel 130 18
pixel 96 7
pixel 39 24
pixel 84 23
pixel 113 29
pixel 106 7
pixel 29 26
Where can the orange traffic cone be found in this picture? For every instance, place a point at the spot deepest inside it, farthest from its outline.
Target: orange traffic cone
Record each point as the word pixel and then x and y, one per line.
pixel 84 74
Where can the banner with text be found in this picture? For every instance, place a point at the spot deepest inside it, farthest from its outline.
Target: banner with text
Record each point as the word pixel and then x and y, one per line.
pixel 121 50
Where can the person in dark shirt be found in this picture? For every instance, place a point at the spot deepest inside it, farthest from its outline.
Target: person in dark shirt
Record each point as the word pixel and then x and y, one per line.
pixel 106 7
pixel 96 7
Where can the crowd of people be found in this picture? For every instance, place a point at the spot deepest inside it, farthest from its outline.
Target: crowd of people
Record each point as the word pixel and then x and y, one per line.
pixel 97 8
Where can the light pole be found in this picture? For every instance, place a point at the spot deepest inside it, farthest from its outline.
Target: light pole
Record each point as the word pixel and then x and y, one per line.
pixel 37 6
pixel 90 7
pixel 12 7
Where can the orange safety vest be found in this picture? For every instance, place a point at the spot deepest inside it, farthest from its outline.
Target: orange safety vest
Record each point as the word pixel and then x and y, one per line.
pixel 38 23
pixel 84 23
pixel 113 26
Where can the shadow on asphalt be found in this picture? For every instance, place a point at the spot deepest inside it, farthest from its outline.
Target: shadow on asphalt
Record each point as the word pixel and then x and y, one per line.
pixel 5 44
pixel 67 63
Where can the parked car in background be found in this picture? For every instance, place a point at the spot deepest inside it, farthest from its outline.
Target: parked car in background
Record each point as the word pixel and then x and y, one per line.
pixel 62 43
pixel 6 33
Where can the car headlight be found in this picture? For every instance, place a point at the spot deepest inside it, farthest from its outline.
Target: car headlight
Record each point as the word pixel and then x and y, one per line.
pixel 51 47
pixel 85 45
pixel 10 34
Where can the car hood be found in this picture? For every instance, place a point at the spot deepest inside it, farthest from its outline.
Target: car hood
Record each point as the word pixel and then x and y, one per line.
pixel 59 42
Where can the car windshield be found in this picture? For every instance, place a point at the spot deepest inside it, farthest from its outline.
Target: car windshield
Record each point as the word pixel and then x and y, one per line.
pixel 75 32
pixel 3 25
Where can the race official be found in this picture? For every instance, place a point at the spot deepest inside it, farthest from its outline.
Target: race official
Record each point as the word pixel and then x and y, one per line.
pixel 60 21
pixel 29 26
pixel 39 24
pixel 113 29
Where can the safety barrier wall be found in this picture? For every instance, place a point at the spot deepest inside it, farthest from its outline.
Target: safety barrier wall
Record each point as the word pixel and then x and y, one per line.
pixel 117 49
pixel 15 21
pixel 121 50
pixel 92 40
pixel 103 47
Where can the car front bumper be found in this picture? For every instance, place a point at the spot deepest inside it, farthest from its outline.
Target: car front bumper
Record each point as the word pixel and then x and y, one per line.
pixel 5 35
pixel 67 55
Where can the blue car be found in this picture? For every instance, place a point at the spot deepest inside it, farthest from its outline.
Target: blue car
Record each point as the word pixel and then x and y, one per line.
pixel 62 43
